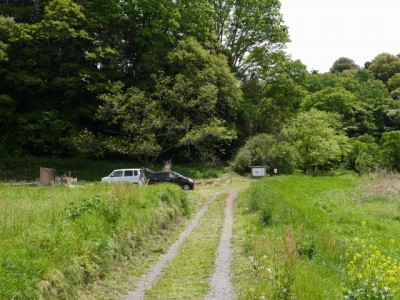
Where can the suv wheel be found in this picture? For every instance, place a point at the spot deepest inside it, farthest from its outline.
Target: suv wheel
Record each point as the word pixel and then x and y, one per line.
pixel 186 187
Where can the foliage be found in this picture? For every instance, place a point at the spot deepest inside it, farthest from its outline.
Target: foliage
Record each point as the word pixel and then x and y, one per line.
pixel 249 31
pixel 384 66
pixel 46 134
pixel 192 110
pixel 390 150
pixel 365 104
pixel 336 100
pixel 316 139
pixel 273 96
pixel 394 86
pixel 7 28
pixel 264 149
pixel 343 64
pixel 362 154
pixel 62 60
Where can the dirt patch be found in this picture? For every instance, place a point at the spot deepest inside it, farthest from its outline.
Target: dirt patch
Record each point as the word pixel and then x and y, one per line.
pixel 381 185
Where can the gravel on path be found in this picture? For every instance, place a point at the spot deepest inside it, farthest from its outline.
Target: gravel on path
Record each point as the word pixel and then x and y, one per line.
pixel 220 282
pixel 148 279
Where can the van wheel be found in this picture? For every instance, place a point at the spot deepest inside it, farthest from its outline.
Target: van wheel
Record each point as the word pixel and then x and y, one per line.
pixel 186 187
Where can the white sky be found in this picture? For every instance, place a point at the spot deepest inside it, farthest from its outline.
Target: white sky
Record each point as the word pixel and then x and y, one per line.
pixel 322 31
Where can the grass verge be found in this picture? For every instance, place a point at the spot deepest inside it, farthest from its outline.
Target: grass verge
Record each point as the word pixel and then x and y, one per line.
pixel 55 242
pixel 303 237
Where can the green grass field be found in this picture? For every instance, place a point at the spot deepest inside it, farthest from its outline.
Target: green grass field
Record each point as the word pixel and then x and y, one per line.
pixel 295 237
pixel 57 241
pixel 326 237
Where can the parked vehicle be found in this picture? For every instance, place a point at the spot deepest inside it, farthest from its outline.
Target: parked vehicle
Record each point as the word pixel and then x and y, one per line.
pixel 161 177
pixel 135 176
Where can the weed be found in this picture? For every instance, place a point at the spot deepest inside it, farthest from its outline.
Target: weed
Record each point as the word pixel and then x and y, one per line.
pixel 370 273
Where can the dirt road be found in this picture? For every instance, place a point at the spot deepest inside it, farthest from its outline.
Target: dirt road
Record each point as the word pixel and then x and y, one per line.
pixel 220 282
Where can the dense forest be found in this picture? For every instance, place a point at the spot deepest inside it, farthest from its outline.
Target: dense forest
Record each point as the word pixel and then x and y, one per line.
pixel 204 80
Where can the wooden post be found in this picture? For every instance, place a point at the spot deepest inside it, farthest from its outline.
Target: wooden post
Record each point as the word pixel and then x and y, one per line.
pixel 47 176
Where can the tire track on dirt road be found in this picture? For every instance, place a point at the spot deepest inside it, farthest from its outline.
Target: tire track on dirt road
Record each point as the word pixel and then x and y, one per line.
pixel 148 279
pixel 220 281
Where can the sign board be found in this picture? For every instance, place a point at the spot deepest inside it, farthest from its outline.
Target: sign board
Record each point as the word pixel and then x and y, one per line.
pixel 258 171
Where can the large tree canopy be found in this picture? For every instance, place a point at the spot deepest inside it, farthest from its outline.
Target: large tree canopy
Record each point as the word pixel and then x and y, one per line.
pixel 192 109
pixel 364 103
pixel 249 31
pixel 151 78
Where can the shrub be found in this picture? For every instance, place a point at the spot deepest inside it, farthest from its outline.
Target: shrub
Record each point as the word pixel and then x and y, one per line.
pixel 264 149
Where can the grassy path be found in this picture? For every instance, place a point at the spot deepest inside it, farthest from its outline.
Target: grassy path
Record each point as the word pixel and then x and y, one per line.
pixel 147 280
pixel 198 260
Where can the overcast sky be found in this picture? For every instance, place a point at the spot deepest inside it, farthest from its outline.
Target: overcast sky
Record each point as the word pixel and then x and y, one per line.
pixel 322 31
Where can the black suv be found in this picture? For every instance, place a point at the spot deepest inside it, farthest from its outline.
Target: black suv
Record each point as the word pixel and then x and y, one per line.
pixel 173 177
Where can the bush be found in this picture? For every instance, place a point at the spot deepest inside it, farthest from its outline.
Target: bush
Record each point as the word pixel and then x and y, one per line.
pixel 264 149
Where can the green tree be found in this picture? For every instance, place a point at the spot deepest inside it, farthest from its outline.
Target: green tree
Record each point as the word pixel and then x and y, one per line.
pixel 192 110
pixel 362 154
pixel 373 110
pixel 23 11
pixel 343 64
pixel 390 150
pixel 45 133
pixel 384 66
pixel 394 86
pixel 272 97
pixel 354 113
pixel 249 30
pixel 49 69
pixel 317 139
pixel 7 28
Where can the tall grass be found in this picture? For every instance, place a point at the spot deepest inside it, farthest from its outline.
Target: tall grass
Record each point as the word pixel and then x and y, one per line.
pixel 54 241
pixel 297 230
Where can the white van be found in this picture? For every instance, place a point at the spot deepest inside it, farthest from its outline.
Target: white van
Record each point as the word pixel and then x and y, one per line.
pixel 126 175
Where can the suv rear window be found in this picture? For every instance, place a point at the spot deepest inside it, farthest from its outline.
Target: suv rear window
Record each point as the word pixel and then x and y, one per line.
pixel 128 173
